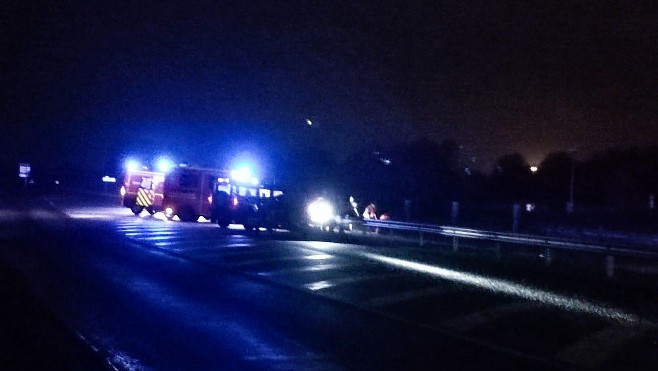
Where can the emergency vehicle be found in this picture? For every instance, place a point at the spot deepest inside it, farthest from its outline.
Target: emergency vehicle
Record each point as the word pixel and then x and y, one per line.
pixel 143 190
pixel 252 205
pixel 188 192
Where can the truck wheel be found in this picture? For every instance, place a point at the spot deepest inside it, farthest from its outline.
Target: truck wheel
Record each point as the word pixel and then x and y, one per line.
pixel 136 209
pixel 251 228
pixel 223 222
pixel 186 214
pixel 252 224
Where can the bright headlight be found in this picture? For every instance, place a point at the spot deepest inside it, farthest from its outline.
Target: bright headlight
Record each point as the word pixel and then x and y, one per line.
pixel 320 211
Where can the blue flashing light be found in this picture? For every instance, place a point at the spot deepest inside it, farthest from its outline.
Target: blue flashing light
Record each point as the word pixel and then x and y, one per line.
pixel 242 175
pixel 165 165
pixel 131 165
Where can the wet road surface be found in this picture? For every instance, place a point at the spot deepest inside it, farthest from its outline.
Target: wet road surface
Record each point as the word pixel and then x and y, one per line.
pixel 154 294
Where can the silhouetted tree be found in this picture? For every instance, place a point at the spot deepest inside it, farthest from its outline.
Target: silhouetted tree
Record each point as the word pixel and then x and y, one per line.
pixel 553 179
pixel 510 179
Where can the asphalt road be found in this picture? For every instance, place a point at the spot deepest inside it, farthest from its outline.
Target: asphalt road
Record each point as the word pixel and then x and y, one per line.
pixel 151 294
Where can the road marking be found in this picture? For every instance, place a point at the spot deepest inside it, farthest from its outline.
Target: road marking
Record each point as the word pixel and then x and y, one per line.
pixel 158 238
pixel 156 232
pixel 131 230
pixel 383 301
pixel 267 260
pixel 311 268
pixel 239 245
pixel 166 244
pixel 488 315
pixel 592 351
pixel 320 285
pixel 218 251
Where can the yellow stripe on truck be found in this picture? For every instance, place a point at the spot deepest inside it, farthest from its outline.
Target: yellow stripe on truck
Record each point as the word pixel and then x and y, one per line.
pixel 145 197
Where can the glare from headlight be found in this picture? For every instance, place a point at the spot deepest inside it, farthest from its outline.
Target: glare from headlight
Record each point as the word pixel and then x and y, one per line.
pixel 320 211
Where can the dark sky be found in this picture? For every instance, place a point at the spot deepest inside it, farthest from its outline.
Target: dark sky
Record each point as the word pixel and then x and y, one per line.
pixel 88 81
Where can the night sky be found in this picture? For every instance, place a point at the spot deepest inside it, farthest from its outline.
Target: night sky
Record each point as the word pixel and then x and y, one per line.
pixel 91 81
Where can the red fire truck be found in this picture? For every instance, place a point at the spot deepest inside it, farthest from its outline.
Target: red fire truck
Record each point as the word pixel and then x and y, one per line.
pixel 143 190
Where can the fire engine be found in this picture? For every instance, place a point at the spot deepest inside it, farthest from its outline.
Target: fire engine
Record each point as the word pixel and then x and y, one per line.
pixel 188 192
pixel 220 196
pixel 143 190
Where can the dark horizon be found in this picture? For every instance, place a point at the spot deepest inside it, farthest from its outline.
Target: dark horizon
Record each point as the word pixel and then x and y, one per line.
pixel 86 82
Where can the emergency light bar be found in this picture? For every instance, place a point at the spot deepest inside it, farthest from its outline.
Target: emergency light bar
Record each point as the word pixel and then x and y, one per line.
pixel 243 175
pixel 132 165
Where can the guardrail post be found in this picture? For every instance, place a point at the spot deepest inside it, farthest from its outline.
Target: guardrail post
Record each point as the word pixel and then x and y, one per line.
pixel 421 242
pixel 610 266
pixel 455 244
pixel 548 256
pixel 454 215
pixel 516 215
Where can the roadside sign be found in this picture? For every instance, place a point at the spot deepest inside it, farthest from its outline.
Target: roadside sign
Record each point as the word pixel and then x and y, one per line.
pixel 24 170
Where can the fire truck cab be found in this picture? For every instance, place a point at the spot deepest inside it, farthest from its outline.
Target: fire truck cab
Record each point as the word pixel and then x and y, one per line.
pixel 143 190
pixel 188 192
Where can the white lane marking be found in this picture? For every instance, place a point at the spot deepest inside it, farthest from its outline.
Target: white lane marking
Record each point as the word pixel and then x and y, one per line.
pixel 217 251
pixel 592 351
pixel 165 244
pixel 161 230
pixel 311 268
pixel 267 260
pixel 146 230
pixel 487 315
pixel 158 238
pixel 239 245
pixel 320 285
pixel 410 295
pixel 154 234
pixel 131 230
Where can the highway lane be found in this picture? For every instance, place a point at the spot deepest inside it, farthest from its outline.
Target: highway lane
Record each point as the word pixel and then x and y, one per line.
pixel 167 295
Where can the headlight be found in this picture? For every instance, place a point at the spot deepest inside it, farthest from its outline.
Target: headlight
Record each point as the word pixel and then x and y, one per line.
pixel 320 211
pixel 122 191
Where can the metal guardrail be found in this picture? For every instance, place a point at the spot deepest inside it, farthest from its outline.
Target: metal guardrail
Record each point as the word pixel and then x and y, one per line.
pixel 514 238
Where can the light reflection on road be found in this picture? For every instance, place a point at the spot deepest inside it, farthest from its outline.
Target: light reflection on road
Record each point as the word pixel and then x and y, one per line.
pixel 500 286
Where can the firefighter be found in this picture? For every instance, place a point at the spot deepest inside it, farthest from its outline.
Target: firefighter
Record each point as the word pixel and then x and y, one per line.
pixel 370 212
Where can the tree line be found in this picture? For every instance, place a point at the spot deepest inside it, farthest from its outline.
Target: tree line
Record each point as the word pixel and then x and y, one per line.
pixel 431 176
